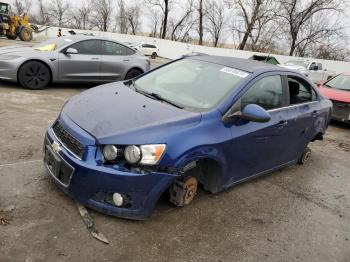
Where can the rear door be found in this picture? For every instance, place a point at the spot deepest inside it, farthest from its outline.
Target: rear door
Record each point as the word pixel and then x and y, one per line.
pixel 302 115
pixel 83 66
pixel 116 61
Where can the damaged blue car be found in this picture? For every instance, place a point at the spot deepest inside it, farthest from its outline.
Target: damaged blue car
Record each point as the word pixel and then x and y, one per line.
pixel 197 121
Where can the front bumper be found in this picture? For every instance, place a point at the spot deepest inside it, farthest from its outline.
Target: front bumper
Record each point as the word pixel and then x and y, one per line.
pixel 341 111
pixel 92 184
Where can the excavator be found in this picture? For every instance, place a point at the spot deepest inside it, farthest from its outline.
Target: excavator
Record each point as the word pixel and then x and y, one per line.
pixel 16 25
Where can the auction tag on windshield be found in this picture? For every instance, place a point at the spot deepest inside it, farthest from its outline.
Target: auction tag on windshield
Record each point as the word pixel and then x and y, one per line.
pixel 235 72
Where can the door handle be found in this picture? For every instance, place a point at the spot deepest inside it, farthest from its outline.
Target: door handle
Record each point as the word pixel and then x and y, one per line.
pixel 282 123
pixel 314 113
pixel 126 60
pixel 95 58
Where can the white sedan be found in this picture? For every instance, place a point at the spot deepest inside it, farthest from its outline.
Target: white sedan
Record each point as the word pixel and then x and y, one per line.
pixel 146 49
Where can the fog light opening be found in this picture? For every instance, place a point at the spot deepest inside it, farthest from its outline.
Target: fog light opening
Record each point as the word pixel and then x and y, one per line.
pixel 118 199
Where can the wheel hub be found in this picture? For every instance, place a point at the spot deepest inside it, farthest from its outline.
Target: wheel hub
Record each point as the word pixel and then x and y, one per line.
pixel 182 192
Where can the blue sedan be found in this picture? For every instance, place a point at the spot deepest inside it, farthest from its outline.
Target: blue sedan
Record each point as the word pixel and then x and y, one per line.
pixel 200 120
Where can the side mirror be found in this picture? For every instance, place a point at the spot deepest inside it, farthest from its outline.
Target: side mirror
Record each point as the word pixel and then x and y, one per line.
pixel 255 113
pixel 251 112
pixel 70 51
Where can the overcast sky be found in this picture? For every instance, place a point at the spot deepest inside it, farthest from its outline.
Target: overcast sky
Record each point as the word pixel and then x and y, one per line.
pixel 146 23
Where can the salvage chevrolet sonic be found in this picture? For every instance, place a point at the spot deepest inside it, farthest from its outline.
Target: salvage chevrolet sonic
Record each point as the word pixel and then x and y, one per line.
pixel 200 120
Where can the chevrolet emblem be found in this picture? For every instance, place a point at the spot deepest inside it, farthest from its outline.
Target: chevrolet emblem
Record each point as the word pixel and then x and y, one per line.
pixel 56 147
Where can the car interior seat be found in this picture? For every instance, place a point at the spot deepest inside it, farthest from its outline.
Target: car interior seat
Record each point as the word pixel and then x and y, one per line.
pixel 294 89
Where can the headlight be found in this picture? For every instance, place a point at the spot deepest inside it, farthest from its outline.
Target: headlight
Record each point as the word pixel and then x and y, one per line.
pixel 8 57
pixel 110 152
pixel 151 154
pixel 132 154
pixel 144 155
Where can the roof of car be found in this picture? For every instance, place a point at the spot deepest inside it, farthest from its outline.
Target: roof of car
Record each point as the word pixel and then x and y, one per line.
pixel 87 37
pixel 238 63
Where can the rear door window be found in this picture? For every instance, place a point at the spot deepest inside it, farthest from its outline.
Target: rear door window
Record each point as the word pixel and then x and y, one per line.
pixel 112 48
pixel 266 92
pixel 300 91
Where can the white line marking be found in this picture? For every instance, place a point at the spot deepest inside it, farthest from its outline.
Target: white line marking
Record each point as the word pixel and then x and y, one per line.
pixel 21 163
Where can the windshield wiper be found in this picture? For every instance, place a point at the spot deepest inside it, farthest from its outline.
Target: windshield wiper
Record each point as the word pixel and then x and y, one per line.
pixel 157 97
pixel 160 98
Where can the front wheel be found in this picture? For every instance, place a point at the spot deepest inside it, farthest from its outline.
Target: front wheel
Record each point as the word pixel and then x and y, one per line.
pixel 133 73
pixel 34 75
pixel 26 34
pixel 11 37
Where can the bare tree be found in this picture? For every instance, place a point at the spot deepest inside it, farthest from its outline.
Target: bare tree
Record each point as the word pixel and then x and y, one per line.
pixel 165 6
pixel 252 13
pixel 182 23
pixel 134 18
pixel 297 14
pixel 102 14
pixel 122 18
pixel 81 15
pixel 42 17
pixel 58 10
pixel 200 21
pixel 216 20
pixel 155 21
pixel 22 6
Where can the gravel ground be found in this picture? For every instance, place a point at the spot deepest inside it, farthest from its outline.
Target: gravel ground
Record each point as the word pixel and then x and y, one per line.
pixel 300 213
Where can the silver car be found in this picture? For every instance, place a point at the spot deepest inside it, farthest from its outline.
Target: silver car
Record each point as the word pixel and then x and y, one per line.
pixel 77 58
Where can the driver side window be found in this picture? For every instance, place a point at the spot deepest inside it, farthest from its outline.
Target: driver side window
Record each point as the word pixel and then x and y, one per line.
pixel 87 47
pixel 266 92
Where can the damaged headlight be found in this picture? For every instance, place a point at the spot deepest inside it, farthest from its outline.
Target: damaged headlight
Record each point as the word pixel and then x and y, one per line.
pixel 144 154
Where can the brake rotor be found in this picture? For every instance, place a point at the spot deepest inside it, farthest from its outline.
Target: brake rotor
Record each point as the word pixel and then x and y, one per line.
pixel 182 192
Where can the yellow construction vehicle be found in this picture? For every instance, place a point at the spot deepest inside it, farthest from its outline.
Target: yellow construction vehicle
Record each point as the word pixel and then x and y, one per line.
pixel 16 25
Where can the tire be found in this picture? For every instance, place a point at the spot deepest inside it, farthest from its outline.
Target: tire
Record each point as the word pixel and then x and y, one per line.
pixel 305 156
pixel 26 34
pixel 11 37
pixel 34 75
pixel 154 55
pixel 134 72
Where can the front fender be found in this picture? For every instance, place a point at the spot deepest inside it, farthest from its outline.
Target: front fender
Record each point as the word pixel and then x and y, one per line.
pixel 200 153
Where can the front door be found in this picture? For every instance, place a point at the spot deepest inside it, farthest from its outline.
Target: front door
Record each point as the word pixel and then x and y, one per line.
pixel 83 66
pixel 259 147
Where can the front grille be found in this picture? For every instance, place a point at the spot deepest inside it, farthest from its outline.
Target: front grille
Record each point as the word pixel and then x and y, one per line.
pixel 68 140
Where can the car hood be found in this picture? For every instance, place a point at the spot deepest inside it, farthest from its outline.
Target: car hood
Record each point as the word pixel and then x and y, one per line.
pixel 293 67
pixel 335 94
pixel 116 114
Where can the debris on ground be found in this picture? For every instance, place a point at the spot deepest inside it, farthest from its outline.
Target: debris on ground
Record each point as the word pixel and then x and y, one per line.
pixel 4 221
pixel 90 224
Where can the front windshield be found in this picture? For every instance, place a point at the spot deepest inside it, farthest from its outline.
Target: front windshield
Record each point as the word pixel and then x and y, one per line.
pixel 52 44
pixel 341 82
pixel 4 8
pixel 191 83
pixel 297 63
